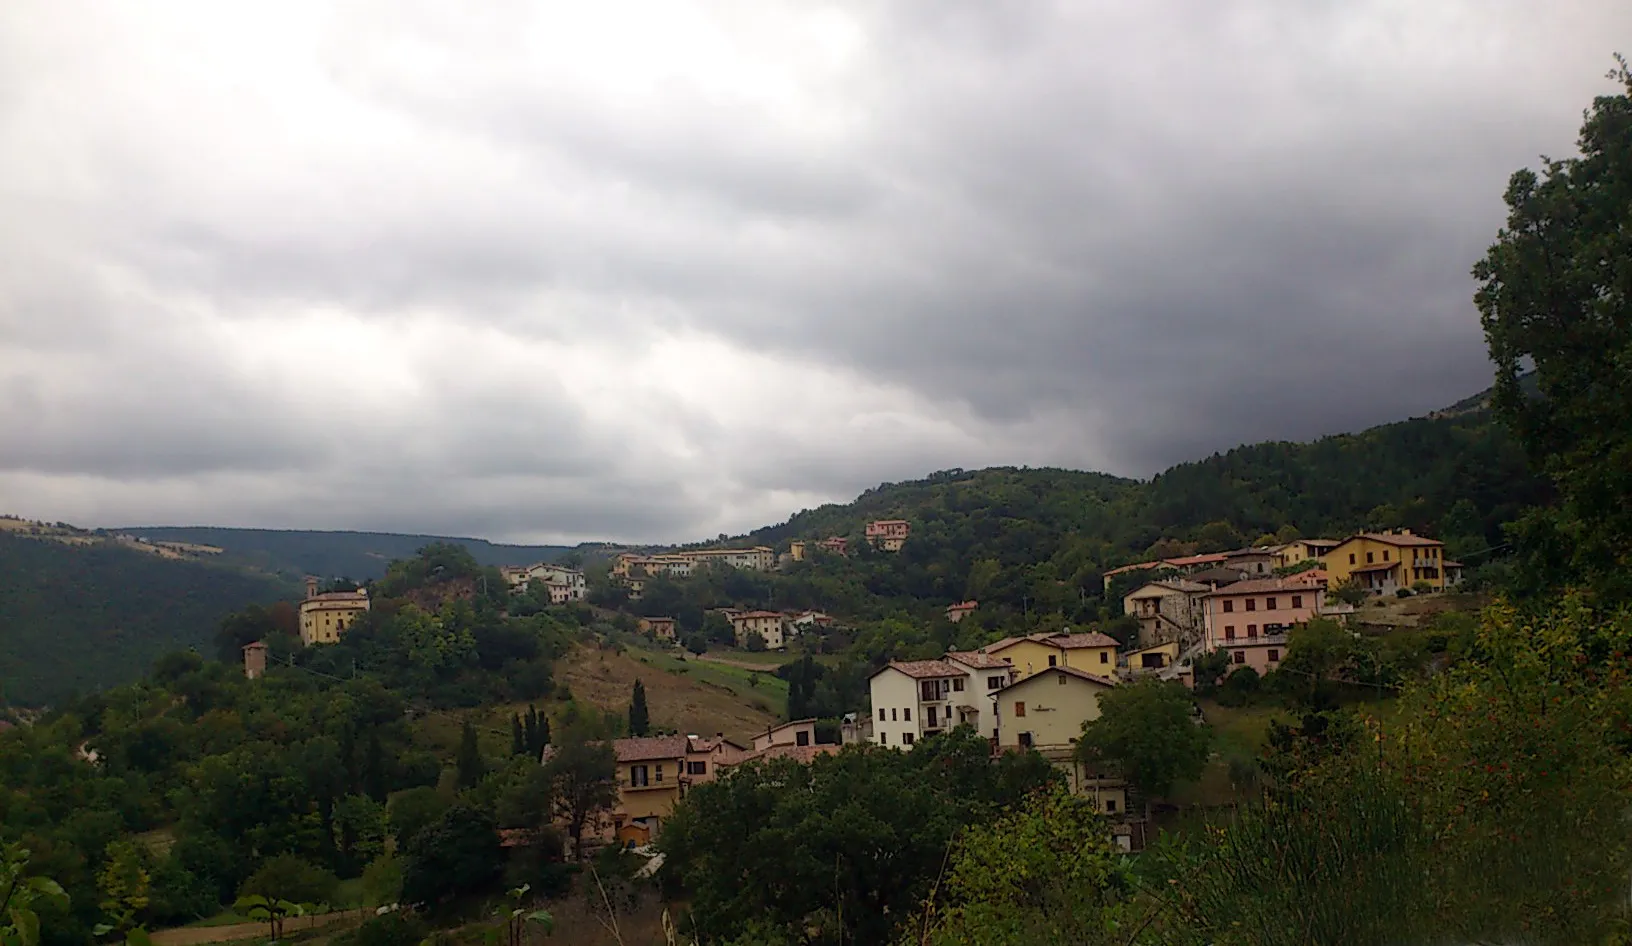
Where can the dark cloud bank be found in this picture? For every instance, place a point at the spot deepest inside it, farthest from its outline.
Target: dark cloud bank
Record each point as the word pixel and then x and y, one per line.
pixel 652 272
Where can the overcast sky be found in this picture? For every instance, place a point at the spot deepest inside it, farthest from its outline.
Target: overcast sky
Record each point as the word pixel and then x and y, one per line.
pixel 543 271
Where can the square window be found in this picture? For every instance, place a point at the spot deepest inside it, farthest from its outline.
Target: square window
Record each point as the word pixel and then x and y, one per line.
pixel 1060 679
pixel 1019 709
pixel 1240 657
pixel 1269 604
pixel 1110 806
pixel 1252 604
pixel 994 683
pixel 1228 606
pixel 1229 632
pixel 906 739
pixel 1104 658
pixel 1274 656
pixel 1051 660
pixel 957 685
pixel 801 738
pixel 1297 601
pixel 696 768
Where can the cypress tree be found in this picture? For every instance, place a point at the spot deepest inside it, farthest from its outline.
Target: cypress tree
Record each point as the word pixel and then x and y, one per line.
pixel 469 760
pixel 640 721
pixel 531 727
pixel 518 738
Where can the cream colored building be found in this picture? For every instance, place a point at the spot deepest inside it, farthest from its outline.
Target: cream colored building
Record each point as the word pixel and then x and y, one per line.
pixel 325 617
pixel 760 558
pixel 1046 712
pixel 770 626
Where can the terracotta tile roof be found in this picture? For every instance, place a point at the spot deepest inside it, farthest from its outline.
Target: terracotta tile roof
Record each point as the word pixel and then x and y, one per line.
pixel 1217 575
pixel 924 669
pixel 1075 641
pixel 1310 576
pixel 977 659
pixel 643 748
pixel 964 606
pixel 1377 567
pixel 1401 540
pixel 1068 671
pixel 1205 559
pixel 998 645
pixel 1124 569
pixel 801 754
pixel 757 614
pixel 1261 586
pixel 1175 584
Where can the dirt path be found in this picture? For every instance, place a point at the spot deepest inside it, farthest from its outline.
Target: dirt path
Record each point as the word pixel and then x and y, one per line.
pixel 739 664
pixel 199 935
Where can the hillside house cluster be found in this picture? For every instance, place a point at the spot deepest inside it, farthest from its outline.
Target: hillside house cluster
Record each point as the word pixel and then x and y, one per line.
pixel 564 584
pixel 888 534
pixel 1033 692
pixel 1379 562
pixel 655 772
pixel 1203 604
pixel 774 629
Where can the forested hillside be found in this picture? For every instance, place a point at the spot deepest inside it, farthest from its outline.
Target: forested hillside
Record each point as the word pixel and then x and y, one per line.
pixel 1456 477
pixel 83 618
pixel 359 555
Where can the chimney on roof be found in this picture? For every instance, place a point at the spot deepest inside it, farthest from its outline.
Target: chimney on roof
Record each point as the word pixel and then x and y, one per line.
pixel 1405 532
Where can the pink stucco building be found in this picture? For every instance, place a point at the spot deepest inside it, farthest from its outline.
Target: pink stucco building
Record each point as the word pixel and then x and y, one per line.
pixel 1250 620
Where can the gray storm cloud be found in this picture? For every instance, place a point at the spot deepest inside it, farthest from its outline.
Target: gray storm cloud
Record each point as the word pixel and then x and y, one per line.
pixel 652 271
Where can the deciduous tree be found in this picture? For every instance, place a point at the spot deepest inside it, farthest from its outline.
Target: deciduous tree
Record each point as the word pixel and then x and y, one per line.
pixel 1555 297
pixel 1147 728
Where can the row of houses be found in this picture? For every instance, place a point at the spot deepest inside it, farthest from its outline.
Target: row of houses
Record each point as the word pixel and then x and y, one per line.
pixel 564 584
pixel 1379 562
pixel 1032 692
pixel 655 772
pixel 774 629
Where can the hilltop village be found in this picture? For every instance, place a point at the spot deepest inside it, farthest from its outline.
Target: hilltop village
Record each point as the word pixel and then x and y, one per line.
pixel 1232 610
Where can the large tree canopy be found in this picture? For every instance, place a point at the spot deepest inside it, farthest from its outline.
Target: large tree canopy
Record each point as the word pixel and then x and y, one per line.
pixel 1554 298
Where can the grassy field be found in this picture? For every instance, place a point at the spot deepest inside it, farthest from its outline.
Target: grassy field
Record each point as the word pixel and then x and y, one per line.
pixel 683 694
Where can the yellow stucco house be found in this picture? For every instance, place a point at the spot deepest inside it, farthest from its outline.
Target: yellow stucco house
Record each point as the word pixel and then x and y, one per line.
pixel 1299 551
pixel 325 617
pixel 1045 711
pixel 1092 652
pixel 1381 562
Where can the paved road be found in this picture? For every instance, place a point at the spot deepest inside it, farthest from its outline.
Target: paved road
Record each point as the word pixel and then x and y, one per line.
pixel 199 935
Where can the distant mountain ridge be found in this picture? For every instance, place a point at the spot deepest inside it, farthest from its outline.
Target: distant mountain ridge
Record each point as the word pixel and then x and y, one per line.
pixel 359 555
pixel 85 617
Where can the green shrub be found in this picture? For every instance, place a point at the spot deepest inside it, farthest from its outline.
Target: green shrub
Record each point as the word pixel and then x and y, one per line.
pixel 287 877
pixel 396 928
pixel 1402 592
